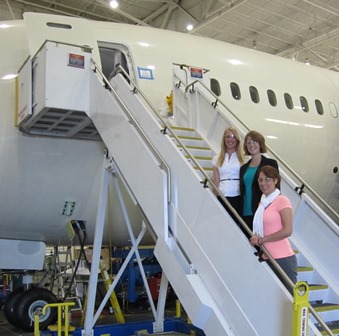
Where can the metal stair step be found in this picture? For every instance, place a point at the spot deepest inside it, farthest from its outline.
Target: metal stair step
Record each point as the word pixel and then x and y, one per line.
pixel 197 147
pixel 305 269
pixel 198 151
pixel 305 273
pixel 315 287
pixel 326 307
pixel 192 141
pixel 333 326
pixel 317 292
pixel 183 131
pixel 327 311
pixel 207 169
pixel 204 162
pixel 198 157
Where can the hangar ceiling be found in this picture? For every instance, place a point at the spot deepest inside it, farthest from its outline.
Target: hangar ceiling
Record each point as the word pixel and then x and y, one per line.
pixel 304 30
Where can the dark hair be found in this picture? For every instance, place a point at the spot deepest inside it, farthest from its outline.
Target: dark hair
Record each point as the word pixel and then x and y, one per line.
pixel 256 136
pixel 271 172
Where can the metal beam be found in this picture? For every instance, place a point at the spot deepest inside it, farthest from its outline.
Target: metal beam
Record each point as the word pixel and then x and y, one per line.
pixel 185 11
pixel 311 43
pixel 321 6
pixel 131 17
pixel 157 13
pixel 167 16
pixel 217 15
pixel 10 9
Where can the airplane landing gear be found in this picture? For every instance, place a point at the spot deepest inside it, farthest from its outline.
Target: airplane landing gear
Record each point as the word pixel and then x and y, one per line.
pixel 21 307
pixel 9 304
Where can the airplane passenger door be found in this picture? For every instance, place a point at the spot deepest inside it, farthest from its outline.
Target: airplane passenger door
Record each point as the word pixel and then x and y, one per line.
pixel 113 55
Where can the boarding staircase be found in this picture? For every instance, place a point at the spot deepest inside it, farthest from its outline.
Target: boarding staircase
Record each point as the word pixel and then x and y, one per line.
pixel 197 147
pixel 321 297
pixel 205 256
pixel 323 294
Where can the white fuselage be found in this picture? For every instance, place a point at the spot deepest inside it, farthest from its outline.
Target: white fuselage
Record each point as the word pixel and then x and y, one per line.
pixel 38 174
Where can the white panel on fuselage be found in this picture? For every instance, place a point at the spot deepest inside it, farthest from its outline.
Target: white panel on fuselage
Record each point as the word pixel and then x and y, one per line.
pixel 39 174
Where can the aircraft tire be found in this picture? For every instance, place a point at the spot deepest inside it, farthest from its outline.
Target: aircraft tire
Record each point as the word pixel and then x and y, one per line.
pixel 9 304
pixel 32 302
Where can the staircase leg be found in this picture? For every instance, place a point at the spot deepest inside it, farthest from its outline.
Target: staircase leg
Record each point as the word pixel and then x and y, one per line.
pixel 99 228
pixel 134 244
pixel 159 326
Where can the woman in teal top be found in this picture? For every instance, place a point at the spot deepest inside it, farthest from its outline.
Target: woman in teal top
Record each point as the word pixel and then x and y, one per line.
pixel 254 145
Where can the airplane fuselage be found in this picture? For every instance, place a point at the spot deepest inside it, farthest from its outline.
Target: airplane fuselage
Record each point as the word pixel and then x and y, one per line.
pixel 39 174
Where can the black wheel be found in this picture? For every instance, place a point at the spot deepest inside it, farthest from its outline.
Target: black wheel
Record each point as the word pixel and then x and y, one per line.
pixel 30 303
pixel 9 303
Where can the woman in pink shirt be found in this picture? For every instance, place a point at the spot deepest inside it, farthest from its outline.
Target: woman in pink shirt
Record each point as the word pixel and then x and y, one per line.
pixel 273 222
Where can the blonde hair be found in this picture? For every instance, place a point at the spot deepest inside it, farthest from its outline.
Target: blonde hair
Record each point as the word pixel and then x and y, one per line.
pixel 223 148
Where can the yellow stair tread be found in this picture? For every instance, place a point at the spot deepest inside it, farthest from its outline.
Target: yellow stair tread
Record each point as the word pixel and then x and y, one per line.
pixel 206 168
pixel 196 147
pixel 326 307
pixel 305 269
pixel 199 157
pixel 189 137
pixel 182 128
pixel 317 287
pixel 334 331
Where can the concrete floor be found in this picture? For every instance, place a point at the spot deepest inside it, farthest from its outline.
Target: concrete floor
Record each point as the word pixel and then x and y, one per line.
pixel 7 329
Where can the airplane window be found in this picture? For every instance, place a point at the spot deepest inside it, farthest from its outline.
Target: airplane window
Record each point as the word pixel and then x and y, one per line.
pixel 272 98
pixel 333 110
pixel 304 104
pixel 254 94
pixel 215 87
pixel 58 25
pixel 288 101
pixel 235 91
pixel 319 107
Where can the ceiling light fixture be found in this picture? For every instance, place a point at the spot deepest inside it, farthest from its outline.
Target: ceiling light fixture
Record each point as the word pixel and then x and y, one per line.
pixel 307 61
pixel 189 27
pixel 114 4
pixel 254 44
pixel 9 76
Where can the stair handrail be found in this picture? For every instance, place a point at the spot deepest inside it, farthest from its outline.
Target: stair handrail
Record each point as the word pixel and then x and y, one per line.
pixel 166 125
pixel 136 89
pixel 202 171
pixel 136 124
pixel 298 177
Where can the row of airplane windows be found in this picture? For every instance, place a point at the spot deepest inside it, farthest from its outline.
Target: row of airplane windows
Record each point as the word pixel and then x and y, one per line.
pixel 254 94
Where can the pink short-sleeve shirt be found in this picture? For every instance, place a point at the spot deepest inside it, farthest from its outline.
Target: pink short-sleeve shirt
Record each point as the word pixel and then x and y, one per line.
pixel 272 223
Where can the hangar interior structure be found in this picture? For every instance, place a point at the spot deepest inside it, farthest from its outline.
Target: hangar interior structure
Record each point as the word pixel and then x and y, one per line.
pixel 304 30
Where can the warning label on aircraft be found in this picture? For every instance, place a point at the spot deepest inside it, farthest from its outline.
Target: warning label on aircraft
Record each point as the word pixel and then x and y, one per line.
pixel 145 73
pixel 196 73
pixel 76 60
